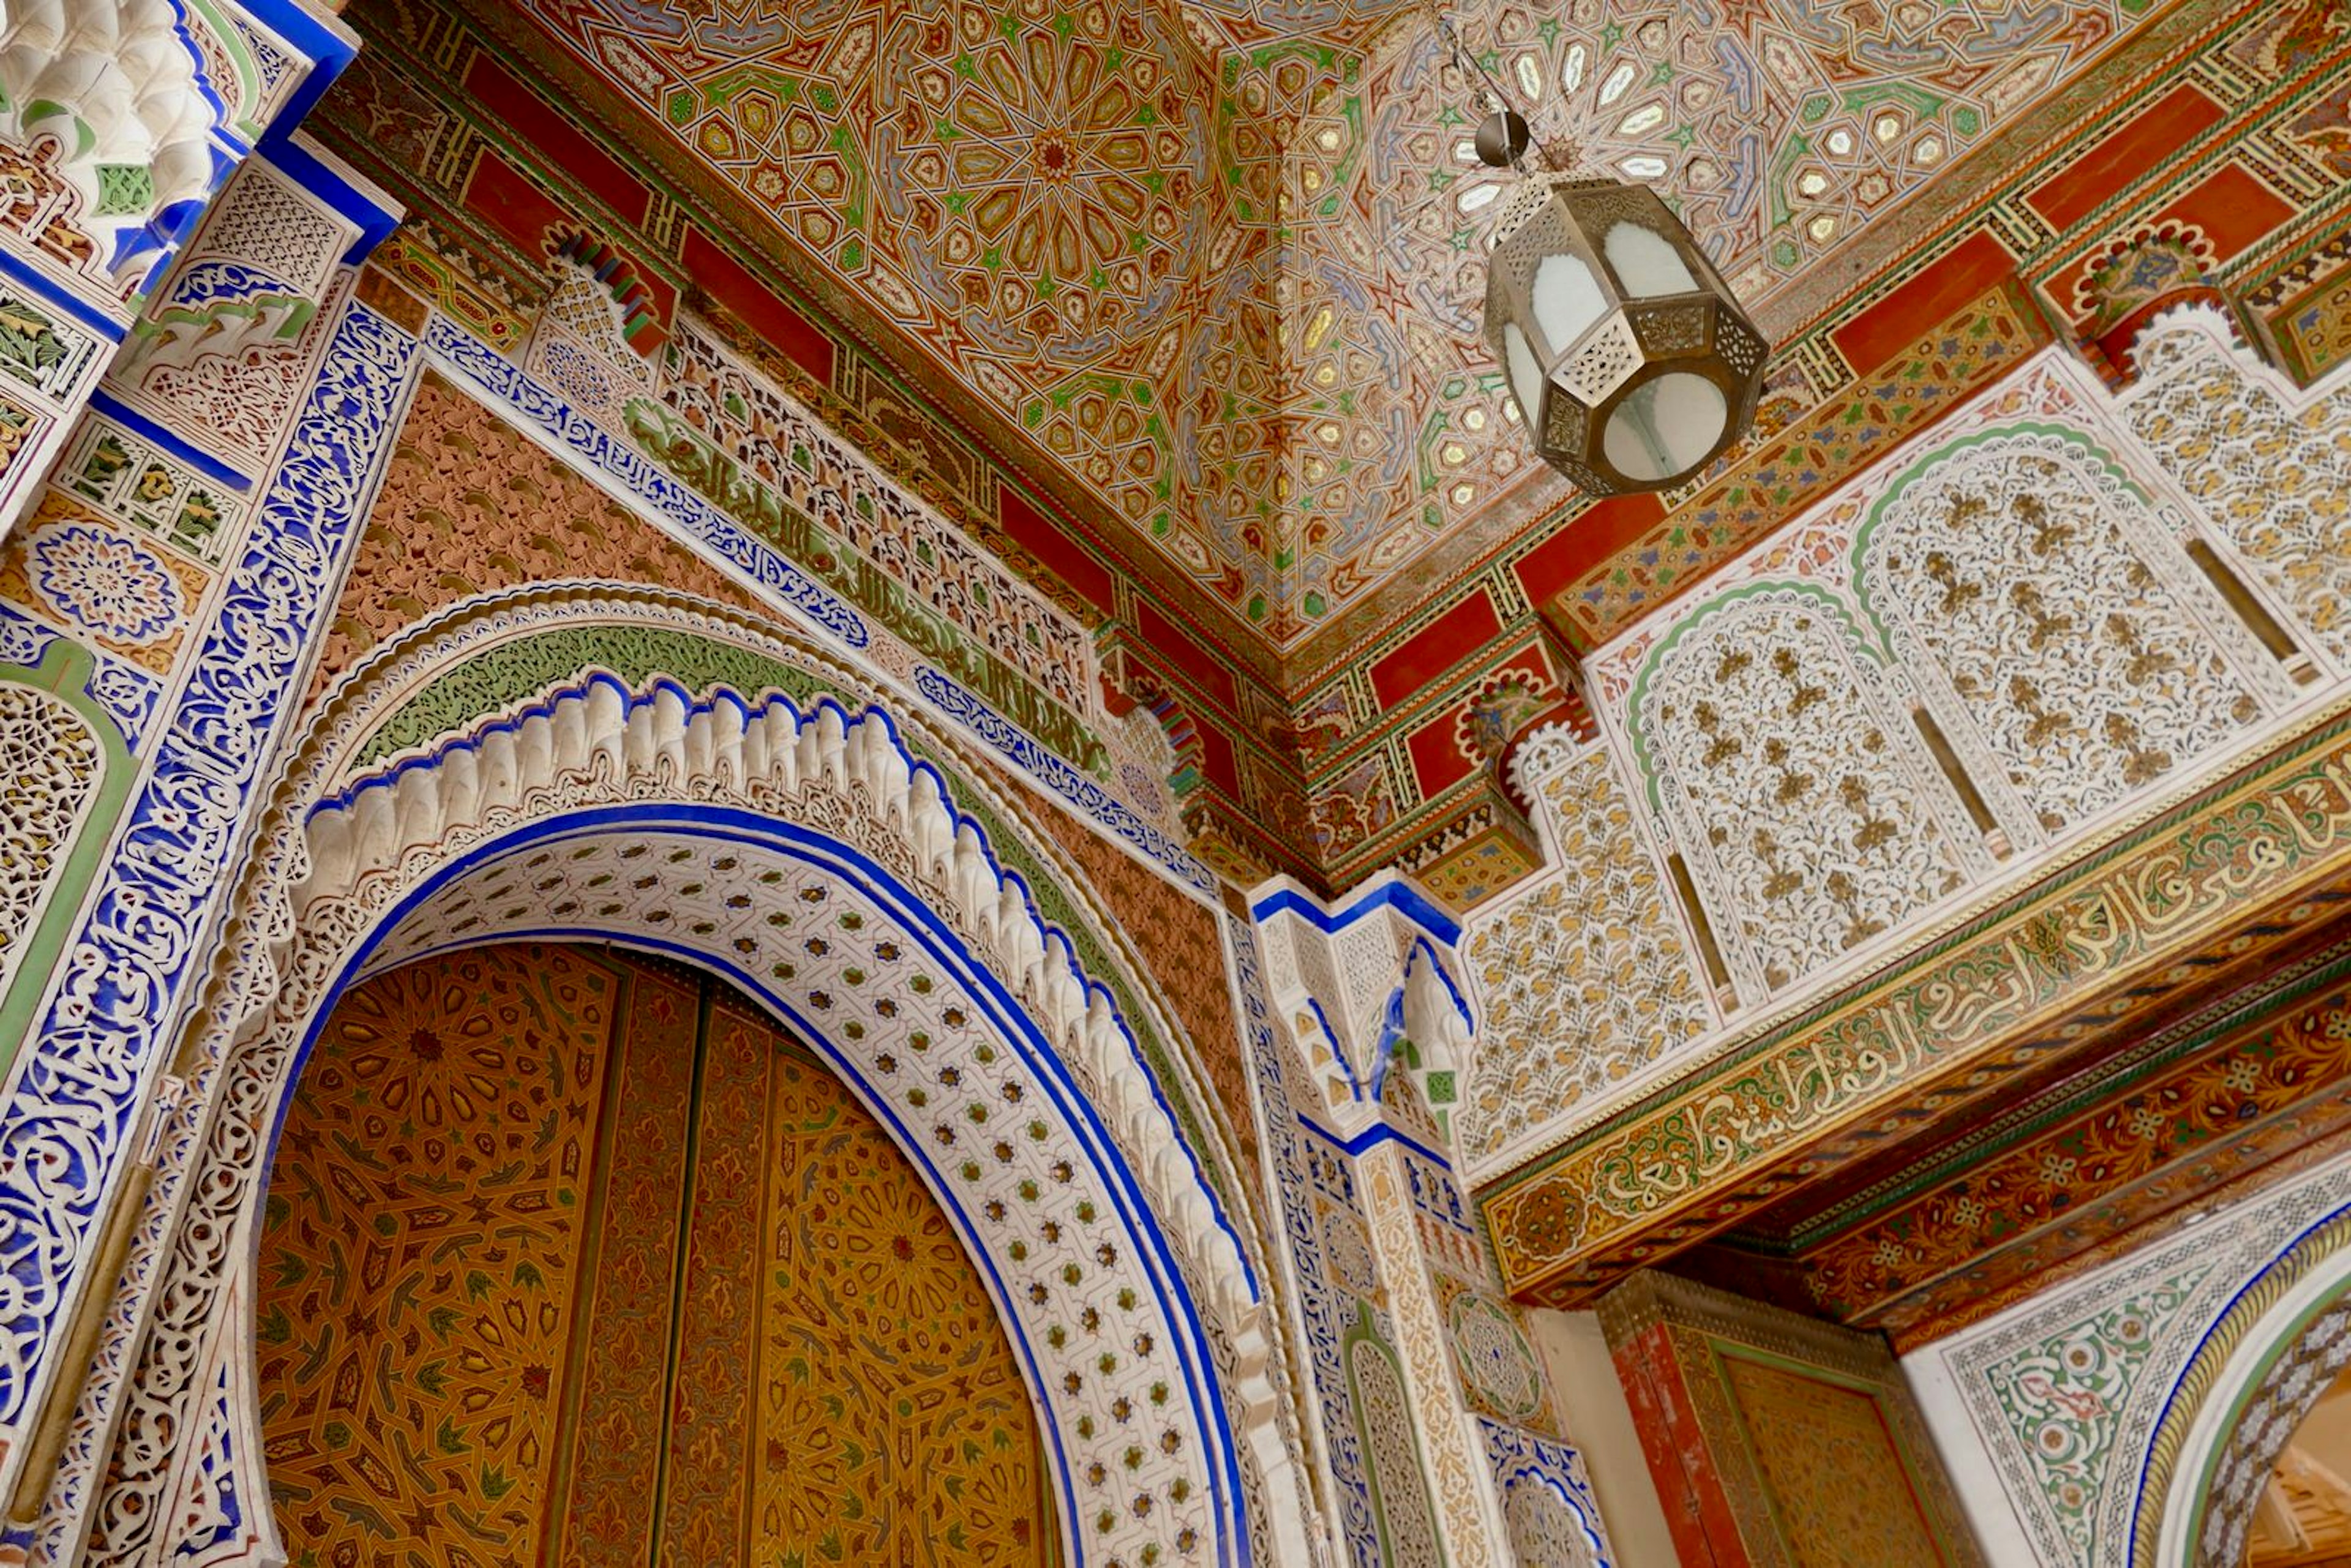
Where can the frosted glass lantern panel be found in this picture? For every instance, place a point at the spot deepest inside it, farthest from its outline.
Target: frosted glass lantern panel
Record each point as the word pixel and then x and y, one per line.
pixel 1568 301
pixel 1645 263
pixel 1526 373
pixel 1665 428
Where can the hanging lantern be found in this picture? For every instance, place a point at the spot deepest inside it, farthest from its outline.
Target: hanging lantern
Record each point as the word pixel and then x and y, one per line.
pixel 1630 359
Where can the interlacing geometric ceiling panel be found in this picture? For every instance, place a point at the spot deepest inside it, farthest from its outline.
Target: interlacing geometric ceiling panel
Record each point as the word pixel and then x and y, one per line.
pixel 1028 191
pixel 1223 264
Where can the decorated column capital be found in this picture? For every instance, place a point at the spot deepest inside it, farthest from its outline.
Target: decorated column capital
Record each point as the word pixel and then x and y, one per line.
pixel 1378 1026
pixel 1366 984
pixel 122 121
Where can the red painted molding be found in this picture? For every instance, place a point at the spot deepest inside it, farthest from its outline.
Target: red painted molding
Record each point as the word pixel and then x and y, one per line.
pixel 2126 154
pixel 1435 648
pixel 1893 326
pixel 1697 1514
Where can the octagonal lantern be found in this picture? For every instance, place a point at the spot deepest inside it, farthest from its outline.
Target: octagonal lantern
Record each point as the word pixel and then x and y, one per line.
pixel 1632 364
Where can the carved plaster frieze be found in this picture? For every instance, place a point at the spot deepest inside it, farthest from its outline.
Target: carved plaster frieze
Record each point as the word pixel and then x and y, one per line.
pixel 344 844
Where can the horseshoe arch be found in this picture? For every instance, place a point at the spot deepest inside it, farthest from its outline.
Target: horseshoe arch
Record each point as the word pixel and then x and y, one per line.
pixel 814 855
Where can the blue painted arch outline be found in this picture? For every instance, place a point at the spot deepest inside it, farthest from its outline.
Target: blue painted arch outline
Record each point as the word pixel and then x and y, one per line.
pixel 259 1030
pixel 631 698
pixel 2260 1317
pixel 767 835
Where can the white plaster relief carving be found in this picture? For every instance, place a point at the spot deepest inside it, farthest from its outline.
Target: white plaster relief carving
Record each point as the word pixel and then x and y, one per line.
pixel 855 973
pixel 1582 980
pixel 1798 792
pixel 661 752
pixel 113 86
pixel 1354 985
pixel 50 766
pixel 1392 1458
pixel 229 338
pixel 2118 484
pixel 730 751
pixel 2267 465
pixel 2031 592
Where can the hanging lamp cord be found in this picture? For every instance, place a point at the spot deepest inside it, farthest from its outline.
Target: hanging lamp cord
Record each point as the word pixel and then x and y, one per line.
pixel 1469 67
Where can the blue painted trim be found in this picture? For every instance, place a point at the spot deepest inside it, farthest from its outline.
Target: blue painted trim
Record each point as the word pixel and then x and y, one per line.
pixel 302 31
pixel 2138 1467
pixel 1392 1028
pixel 734 825
pixel 1396 895
pixel 1054 935
pixel 1346 1068
pixel 82 311
pixel 631 700
pixel 625 472
pixel 620 469
pixel 1391 1032
pixel 1060 775
pixel 328 50
pixel 1371 1138
pixel 204 83
pixel 155 904
pixel 146 429
pixel 1421 946
pixel 330 185
pixel 1516 1455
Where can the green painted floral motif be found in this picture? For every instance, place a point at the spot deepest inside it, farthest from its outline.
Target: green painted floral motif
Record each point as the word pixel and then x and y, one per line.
pixel 1498 1369
pixel 124 188
pixel 2064 1396
pixel 502 677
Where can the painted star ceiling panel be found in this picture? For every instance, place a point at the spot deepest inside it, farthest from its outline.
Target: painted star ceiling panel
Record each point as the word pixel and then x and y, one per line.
pixel 1224 264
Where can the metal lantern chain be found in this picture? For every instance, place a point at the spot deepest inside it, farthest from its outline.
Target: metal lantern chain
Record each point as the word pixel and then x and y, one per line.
pixel 1504 135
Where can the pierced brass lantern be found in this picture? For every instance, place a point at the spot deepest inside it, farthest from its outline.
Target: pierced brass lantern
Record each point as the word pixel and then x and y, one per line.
pixel 1632 364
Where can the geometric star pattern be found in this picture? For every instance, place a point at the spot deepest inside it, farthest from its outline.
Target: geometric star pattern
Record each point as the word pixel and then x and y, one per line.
pixel 575 1258
pixel 1025 190
pixel 1223 263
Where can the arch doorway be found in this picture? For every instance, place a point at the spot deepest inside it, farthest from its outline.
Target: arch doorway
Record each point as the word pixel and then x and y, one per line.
pixel 570 1255
pixel 818 862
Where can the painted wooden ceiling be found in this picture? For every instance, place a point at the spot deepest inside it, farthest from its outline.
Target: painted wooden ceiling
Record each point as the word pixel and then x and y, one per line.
pixel 1219 265
pixel 2171 1111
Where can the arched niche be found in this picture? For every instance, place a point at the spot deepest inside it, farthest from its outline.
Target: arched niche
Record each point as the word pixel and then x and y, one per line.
pixel 1392 1465
pixel 2235 1404
pixel 1780 757
pixel 1067 1176
pixel 2062 641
